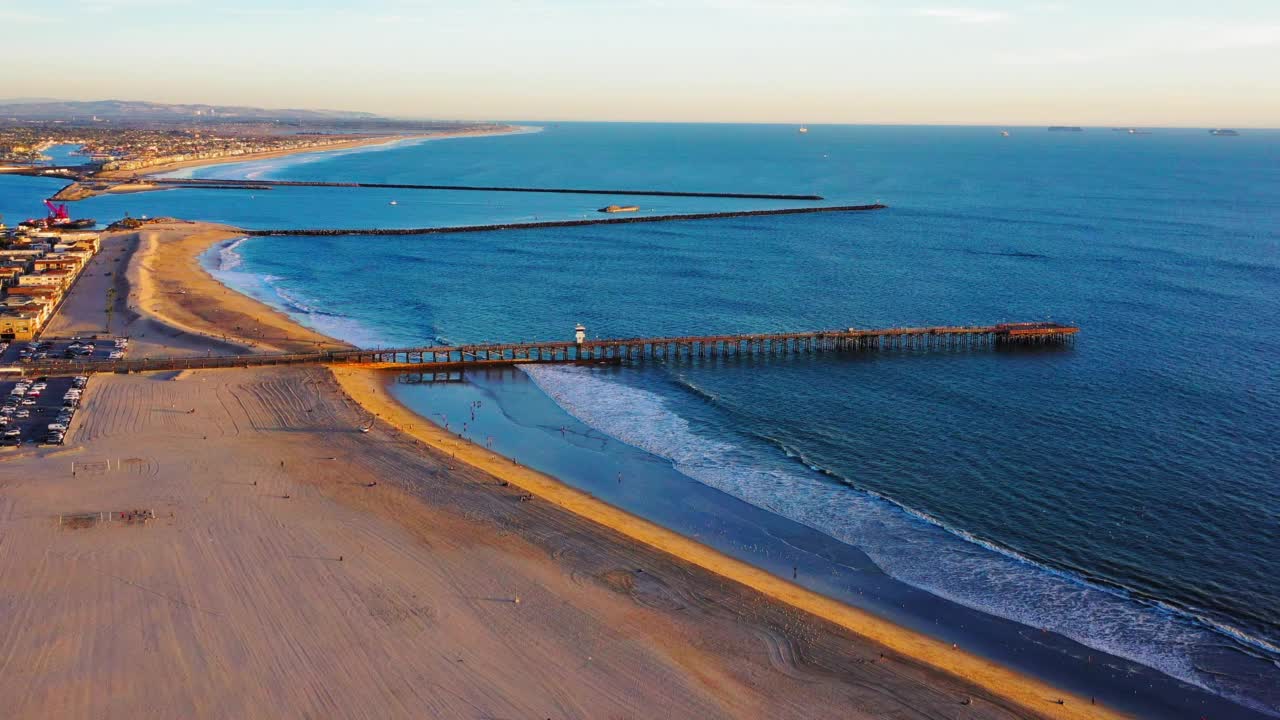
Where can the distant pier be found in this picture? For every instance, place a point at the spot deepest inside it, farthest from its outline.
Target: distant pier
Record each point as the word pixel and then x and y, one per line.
pixel 449 358
pixel 563 223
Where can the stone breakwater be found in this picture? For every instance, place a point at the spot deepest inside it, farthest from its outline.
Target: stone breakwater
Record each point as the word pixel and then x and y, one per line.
pixel 562 223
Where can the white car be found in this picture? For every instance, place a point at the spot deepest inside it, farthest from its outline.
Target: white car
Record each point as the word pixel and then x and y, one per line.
pixel 58 426
pixel 115 355
pixel 22 413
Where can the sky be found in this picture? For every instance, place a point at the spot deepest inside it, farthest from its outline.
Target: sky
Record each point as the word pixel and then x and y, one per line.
pixel 1127 63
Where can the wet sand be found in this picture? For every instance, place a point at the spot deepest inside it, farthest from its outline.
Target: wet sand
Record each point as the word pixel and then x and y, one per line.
pixel 298 566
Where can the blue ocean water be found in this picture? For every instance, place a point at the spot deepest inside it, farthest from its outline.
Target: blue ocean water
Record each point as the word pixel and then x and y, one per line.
pixel 1123 493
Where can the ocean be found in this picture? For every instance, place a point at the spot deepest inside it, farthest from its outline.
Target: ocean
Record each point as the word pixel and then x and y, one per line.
pixel 1120 496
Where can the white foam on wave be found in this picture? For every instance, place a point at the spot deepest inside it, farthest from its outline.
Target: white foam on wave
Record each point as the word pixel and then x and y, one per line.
pixel 224 262
pixel 228 258
pixel 909 545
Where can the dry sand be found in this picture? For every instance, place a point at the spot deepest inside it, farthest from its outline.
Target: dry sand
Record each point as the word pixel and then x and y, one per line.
pixel 278 580
pixel 169 284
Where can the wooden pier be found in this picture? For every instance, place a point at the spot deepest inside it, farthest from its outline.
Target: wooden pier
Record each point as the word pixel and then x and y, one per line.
pixel 448 358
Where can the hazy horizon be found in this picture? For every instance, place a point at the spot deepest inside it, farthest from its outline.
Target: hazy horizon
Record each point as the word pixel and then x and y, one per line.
pixel 805 61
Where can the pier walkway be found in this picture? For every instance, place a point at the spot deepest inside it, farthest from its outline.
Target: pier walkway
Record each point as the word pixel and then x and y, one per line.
pixel 452 358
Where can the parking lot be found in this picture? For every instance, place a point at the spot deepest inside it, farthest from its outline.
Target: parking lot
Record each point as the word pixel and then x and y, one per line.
pixel 29 407
pixel 87 347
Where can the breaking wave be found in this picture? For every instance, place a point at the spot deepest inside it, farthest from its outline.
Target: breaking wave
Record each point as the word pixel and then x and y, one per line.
pixel 228 258
pixel 908 544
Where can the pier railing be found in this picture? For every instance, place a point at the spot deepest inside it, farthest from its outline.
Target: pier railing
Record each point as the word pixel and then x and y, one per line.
pixel 456 357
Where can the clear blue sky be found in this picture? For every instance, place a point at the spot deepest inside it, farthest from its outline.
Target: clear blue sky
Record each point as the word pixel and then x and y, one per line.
pixel 1201 63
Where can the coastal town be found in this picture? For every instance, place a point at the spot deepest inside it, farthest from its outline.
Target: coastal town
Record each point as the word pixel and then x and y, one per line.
pixel 125 149
pixel 129 137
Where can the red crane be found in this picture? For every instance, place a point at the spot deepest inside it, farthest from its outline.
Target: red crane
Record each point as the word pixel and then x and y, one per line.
pixel 57 212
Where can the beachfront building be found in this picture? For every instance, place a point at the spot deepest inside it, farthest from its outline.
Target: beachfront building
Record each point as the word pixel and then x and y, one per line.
pixel 60 279
pixel 22 322
pixel 9 275
pixel 57 262
pixel 35 274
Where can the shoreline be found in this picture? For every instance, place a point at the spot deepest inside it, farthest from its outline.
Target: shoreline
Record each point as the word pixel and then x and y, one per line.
pixel 364 141
pixel 135 181
pixel 160 301
pixel 266 514
pixel 169 282
pixel 369 388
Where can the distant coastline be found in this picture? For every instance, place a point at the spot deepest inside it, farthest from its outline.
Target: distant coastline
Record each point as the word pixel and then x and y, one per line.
pixel 135 181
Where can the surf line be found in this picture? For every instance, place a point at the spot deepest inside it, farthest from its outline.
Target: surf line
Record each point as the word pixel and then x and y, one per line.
pixel 564 223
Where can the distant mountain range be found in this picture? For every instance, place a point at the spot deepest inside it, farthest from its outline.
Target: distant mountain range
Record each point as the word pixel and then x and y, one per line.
pixel 135 111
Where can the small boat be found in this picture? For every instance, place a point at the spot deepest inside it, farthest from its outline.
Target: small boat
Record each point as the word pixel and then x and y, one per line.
pixel 803 129
pixel 393 202
pixel 620 208
pixel 1004 133
pixel 1223 132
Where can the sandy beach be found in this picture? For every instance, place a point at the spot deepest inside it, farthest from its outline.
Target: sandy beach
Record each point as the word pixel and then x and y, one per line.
pixel 118 182
pixel 283 563
pixel 363 141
